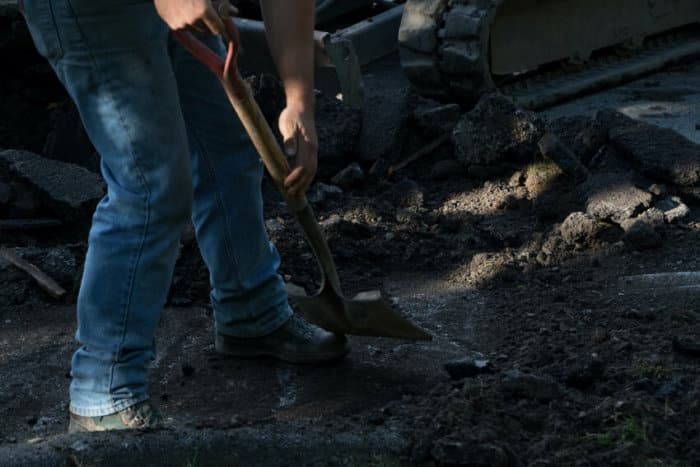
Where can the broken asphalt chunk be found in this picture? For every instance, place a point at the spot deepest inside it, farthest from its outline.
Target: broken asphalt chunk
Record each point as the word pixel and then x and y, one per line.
pixel 659 153
pixel 496 130
pixel 614 196
pixel 468 368
pixel 68 189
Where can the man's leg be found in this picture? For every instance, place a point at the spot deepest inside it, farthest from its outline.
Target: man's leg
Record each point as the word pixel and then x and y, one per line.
pixel 248 295
pixel 112 57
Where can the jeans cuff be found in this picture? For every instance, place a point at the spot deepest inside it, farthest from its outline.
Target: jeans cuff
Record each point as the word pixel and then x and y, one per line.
pixel 260 328
pixel 106 409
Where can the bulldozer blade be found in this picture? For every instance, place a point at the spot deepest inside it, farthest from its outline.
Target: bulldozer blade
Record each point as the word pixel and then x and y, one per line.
pixel 366 314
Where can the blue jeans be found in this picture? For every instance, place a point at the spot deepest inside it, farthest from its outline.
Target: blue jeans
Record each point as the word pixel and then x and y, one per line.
pixel 171 148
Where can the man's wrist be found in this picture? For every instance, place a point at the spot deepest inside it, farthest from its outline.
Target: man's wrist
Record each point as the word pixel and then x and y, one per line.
pixel 302 101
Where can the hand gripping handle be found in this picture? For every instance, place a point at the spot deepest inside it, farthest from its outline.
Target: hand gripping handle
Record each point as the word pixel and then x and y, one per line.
pixel 244 104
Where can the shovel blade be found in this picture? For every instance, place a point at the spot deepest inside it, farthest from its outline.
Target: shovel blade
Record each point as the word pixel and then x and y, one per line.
pixel 368 314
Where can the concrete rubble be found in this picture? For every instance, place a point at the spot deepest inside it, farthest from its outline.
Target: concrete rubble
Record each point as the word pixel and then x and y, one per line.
pixel 496 131
pixel 63 190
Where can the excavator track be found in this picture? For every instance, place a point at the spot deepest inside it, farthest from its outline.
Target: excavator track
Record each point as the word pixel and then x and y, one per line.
pixel 446 52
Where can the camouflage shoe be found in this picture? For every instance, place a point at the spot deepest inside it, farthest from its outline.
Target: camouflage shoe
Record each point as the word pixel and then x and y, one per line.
pixel 141 416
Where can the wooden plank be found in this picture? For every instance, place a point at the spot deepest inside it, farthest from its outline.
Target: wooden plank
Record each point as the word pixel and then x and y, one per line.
pixel 49 285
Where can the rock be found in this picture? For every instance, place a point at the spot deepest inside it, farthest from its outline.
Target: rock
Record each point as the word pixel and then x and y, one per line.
pixel 320 193
pixel 673 209
pixel 404 194
pixel 43 422
pixel 434 118
pixel 584 135
pixel 529 386
pixel 274 225
pixel 552 148
pixel 580 227
pixel 456 451
pixel 659 153
pixel 486 267
pixel 69 189
pixel 614 196
pixel 640 234
pixel 446 168
pixel 384 124
pixel 468 368
pixel 335 227
pixel 654 217
pixel 517 179
pixel 687 345
pixel 585 373
pixel 540 178
pixel 496 130
pixel 351 176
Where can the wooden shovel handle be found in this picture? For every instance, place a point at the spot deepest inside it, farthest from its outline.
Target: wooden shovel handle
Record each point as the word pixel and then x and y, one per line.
pixel 246 107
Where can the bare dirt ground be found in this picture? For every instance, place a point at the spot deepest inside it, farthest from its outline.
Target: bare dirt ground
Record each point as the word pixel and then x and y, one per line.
pixel 550 345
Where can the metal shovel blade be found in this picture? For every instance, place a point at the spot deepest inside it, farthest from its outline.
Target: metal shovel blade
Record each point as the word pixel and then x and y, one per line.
pixel 367 314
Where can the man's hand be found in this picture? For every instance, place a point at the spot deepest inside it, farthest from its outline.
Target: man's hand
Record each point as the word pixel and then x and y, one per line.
pixel 289 25
pixel 298 131
pixel 201 15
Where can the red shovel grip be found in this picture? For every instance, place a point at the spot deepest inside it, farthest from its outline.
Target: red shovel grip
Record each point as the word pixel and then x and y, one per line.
pixel 208 57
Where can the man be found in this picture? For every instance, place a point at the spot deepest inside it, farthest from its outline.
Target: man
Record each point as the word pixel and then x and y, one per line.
pixel 171 148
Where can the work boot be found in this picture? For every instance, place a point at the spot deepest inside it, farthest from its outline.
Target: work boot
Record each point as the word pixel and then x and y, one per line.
pixel 296 341
pixel 137 417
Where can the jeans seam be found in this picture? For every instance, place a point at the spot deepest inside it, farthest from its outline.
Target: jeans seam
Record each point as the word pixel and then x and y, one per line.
pixel 137 255
pixel 58 32
pixel 228 236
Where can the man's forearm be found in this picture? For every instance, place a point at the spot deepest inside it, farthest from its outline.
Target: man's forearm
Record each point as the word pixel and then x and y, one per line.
pixel 289 26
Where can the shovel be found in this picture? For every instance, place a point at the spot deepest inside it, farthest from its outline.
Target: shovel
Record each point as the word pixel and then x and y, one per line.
pixel 367 314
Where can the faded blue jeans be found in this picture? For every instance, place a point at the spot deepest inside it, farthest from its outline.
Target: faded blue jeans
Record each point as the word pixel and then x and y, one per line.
pixel 171 148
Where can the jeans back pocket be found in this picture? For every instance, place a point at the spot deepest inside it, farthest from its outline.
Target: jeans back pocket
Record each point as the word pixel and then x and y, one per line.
pixel 41 20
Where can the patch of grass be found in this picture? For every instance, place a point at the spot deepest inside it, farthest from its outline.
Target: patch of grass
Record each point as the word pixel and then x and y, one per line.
pixel 648 370
pixel 634 432
pixel 604 440
pixel 629 431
